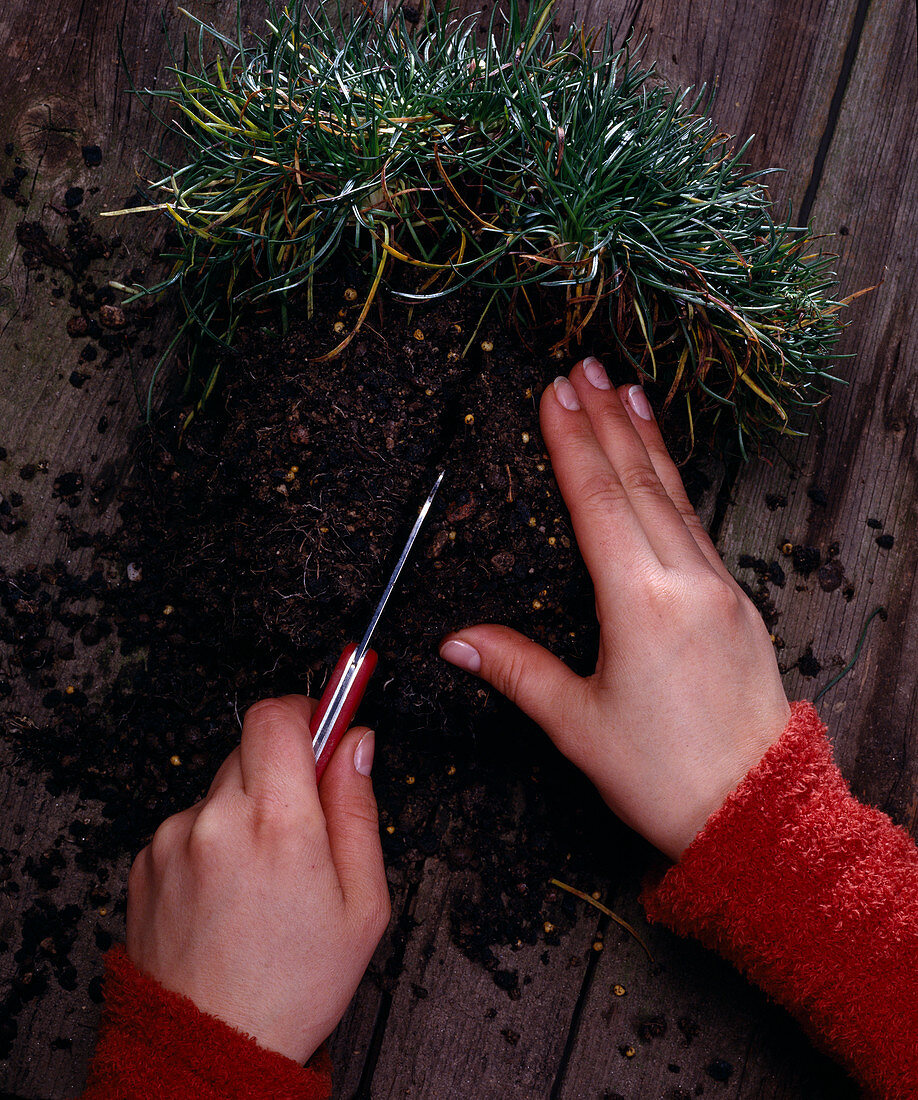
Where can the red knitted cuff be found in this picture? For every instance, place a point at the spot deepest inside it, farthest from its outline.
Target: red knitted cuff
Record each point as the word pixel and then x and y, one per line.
pixel 156 1045
pixel 815 897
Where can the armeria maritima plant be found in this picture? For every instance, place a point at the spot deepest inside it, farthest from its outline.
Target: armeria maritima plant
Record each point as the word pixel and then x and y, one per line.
pixel 541 170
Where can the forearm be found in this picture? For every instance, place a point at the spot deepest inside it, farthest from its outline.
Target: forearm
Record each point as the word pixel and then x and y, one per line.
pixel 155 1045
pixel 814 896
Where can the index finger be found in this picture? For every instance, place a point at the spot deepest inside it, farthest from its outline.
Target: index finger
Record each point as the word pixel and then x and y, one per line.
pixel 275 754
pixel 611 538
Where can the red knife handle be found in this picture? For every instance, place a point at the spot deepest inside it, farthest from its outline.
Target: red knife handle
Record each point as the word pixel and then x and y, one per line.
pixel 351 702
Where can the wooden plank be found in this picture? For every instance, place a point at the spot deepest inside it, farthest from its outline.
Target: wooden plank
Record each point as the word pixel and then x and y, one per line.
pixel 785 119
pixel 863 462
pixel 354 1046
pixel 789 106
pixel 424 986
pixel 411 1031
pixel 63 89
pixel 684 1022
pixel 453 1031
pixel 773 68
pixel 55 1033
pixel 863 459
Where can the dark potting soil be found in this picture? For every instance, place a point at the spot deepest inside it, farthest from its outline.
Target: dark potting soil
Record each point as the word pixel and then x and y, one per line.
pixel 252 548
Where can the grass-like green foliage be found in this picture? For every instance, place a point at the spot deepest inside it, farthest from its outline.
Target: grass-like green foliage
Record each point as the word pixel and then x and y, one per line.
pixel 558 174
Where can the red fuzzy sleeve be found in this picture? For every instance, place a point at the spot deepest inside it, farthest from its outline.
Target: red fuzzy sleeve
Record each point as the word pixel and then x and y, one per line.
pixel 814 896
pixel 156 1045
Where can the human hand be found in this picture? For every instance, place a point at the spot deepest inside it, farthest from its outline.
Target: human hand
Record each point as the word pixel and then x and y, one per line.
pixel 686 696
pixel 264 902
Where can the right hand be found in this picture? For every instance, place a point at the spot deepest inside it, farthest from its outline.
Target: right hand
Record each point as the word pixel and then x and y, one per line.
pixel 686 696
pixel 264 902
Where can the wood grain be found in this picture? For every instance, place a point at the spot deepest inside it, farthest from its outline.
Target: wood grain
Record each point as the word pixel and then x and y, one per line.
pixel 863 461
pixel 829 88
pixel 785 90
pixel 62 87
pixel 685 1021
pixel 452 1031
pixel 864 457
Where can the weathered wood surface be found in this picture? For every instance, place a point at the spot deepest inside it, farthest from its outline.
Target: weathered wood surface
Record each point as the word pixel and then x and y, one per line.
pixel 830 90
pixel 62 87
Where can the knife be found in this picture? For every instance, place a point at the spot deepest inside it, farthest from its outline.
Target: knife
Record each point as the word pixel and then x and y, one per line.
pixel 350 676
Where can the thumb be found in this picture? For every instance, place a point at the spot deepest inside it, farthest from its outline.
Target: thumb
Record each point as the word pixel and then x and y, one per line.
pixel 541 685
pixel 346 792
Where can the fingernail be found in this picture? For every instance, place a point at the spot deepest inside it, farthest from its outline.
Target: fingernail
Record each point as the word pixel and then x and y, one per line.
pixel 596 374
pixel 363 754
pixel 461 653
pixel 637 399
pixel 566 394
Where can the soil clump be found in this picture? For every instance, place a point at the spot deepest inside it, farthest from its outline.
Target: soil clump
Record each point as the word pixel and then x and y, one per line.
pixel 253 547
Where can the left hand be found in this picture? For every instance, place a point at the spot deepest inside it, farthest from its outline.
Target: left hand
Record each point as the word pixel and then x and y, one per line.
pixel 264 902
pixel 686 697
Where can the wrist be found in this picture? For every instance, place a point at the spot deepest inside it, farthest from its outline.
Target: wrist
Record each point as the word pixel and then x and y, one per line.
pixel 719 783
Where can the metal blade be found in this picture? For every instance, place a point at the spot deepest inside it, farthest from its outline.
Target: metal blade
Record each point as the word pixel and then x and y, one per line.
pixel 365 640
